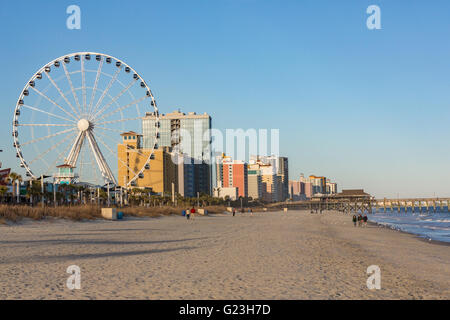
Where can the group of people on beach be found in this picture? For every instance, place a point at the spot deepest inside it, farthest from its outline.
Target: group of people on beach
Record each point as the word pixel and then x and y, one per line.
pixel 190 212
pixel 359 220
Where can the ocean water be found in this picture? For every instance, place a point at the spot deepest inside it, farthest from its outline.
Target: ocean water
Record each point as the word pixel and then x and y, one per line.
pixel 429 225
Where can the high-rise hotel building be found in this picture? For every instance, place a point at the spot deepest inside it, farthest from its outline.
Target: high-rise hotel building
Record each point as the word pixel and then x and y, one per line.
pixel 187 134
pixel 274 175
pixel 233 173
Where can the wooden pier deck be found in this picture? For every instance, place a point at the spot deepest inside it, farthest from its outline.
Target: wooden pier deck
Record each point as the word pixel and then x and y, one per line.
pixel 370 205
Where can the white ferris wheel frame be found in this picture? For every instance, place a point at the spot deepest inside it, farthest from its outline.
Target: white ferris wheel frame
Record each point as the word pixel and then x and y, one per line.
pixel 85 127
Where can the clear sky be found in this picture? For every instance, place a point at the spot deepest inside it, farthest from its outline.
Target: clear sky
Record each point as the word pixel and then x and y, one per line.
pixel 367 108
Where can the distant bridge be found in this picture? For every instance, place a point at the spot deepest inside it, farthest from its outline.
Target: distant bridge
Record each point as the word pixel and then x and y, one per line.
pixel 368 204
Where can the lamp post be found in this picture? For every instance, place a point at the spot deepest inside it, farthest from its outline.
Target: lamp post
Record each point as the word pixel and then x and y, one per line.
pixel 108 195
pixel 42 189
pixel 173 193
pixel 54 192
pixel 31 192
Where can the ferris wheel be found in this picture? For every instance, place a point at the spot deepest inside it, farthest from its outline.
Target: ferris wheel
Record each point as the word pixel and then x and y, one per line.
pixel 72 113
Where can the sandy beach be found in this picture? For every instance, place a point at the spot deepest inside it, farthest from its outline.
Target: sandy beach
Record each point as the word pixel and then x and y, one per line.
pixel 276 255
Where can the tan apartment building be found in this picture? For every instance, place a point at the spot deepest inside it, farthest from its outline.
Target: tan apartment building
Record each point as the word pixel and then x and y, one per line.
pixel 254 183
pixel 159 173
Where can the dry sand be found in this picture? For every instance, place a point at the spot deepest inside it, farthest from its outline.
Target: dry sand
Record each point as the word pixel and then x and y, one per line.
pixel 294 255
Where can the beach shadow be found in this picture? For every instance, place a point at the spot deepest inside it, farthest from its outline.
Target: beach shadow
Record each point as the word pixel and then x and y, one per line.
pixel 90 232
pixel 96 242
pixel 74 257
pixel 218 215
pixel 122 229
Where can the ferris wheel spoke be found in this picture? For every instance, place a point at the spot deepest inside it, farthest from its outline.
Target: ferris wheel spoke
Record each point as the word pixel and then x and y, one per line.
pixel 136 151
pixel 50 114
pixel 102 164
pixel 105 136
pixel 99 70
pixel 132 103
pixel 109 129
pixel 74 153
pixel 72 87
pixel 92 162
pixel 61 154
pixel 83 154
pixel 114 154
pixel 114 99
pixel 44 125
pixel 60 92
pixel 47 137
pixel 130 150
pixel 114 141
pixel 113 79
pixel 53 147
pixel 53 102
pixel 119 120
pixel 83 84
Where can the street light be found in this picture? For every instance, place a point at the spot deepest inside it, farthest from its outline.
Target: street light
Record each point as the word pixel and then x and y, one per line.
pixel 54 192
pixel 42 177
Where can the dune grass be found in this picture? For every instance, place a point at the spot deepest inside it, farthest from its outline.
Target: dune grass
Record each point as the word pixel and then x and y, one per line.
pixel 77 213
pixel 15 213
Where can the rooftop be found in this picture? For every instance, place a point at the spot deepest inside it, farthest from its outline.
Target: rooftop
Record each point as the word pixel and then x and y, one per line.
pixel 130 133
pixel 65 165
pixel 177 114
pixel 352 193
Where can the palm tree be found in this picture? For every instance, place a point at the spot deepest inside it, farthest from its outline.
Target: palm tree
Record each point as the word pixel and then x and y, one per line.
pixel 15 178
pixel 19 180
pixel 72 189
pixel 12 179
pixel 81 192
pixel 33 190
pixel 103 196
pixel 62 188
pixel 3 191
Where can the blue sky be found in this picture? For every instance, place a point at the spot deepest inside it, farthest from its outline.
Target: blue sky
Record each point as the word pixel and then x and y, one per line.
pixel 366 108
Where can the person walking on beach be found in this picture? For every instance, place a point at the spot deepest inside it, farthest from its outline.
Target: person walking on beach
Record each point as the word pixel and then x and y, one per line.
pixel 359 220
pixel 234 212
pixel 251 212
pixel 193 212
pixel 188 213
pixel 365 220
pixel 354 220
